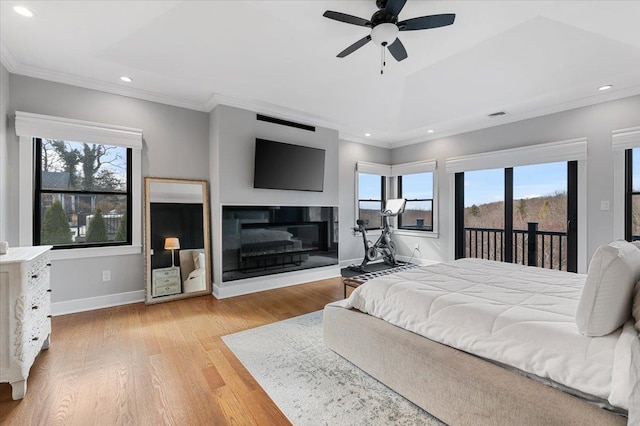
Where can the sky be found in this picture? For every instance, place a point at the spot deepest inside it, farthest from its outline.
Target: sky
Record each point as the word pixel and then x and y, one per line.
pixel 486 186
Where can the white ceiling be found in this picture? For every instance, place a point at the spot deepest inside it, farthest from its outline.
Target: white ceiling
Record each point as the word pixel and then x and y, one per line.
pixel 527 58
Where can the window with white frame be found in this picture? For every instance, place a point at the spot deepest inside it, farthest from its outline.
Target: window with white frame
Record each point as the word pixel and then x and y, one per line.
pixel 79 186
pixel 625 144
pixel 417 190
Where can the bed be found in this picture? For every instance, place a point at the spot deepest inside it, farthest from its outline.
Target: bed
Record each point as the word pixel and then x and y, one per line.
pixel 482 342
pixel 278 243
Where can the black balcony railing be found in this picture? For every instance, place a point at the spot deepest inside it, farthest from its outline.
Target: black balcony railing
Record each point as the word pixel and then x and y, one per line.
pixel 546 249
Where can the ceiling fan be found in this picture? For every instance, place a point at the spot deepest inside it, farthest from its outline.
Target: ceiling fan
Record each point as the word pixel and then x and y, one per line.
pixel 385 27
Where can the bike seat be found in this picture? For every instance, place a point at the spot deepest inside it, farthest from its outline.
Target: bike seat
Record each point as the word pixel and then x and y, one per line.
pixel 364 222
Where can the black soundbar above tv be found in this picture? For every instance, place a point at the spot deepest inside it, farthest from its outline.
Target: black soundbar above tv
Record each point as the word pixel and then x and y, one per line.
pixel 285 166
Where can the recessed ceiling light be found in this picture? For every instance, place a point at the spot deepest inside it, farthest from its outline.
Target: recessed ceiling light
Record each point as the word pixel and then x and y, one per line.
pixel 126 79
pixel 606 87
pixel 367 134
pixel 21 10
pixel 430 131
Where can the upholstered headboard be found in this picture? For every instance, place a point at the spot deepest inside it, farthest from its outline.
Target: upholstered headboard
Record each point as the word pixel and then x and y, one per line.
pixel 187 264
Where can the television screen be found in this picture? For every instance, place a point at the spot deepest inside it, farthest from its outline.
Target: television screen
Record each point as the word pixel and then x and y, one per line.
pixel 285 166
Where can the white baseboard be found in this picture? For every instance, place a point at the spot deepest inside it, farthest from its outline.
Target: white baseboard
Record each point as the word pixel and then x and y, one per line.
pixel 345 263
pixel 418 261
pixel 254 285
pixel 98 302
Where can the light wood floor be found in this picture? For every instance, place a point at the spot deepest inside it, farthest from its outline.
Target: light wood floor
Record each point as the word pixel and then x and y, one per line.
pixel 159 364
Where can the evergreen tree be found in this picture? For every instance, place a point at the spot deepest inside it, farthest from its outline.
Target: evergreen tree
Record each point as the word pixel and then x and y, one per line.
pixel 522 208
pixel 121 234
pixel 97 230
pixel 474 210
pixel 55 226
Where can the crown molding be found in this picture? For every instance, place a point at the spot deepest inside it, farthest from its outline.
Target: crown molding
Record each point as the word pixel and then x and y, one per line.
pixel 539 112
pixel 345 131
pixel 7 59
pixel 290 114
pixel 270 109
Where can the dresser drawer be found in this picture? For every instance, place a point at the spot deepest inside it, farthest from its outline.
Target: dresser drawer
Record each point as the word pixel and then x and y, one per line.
pixel 167 289
pixel 166 273
pixel 38 271
pixel 161 282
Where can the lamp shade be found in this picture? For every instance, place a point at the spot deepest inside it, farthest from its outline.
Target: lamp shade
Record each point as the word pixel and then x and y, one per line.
pixel 171 243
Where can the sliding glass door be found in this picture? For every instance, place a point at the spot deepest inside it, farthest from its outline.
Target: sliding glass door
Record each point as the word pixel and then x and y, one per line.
pixel 524 214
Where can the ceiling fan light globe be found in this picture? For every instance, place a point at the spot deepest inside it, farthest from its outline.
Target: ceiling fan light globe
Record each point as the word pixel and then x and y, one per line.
pixel 384 34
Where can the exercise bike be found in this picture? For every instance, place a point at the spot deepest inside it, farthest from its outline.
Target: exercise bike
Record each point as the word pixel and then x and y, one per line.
pixel 383 246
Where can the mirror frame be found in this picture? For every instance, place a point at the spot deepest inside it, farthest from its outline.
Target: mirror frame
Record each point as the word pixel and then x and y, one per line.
pixel 147 240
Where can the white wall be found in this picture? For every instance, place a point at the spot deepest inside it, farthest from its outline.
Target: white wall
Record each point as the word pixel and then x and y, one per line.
pixel 4 153
pixel 176 144
pixel 594 122
pixel 351 246
pixel 233 132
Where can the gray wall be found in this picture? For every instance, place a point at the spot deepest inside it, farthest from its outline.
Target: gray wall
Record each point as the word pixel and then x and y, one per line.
pixel 233 134
pixel 4 153
pixel 351 247
pixel 176 144
pixel 594 122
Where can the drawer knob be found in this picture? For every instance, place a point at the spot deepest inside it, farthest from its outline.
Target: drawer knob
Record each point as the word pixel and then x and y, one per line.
pixel 34 276
pixel 34 307
pixel 48 316
pixel 35 338
pixel 49 264
pixel 48 290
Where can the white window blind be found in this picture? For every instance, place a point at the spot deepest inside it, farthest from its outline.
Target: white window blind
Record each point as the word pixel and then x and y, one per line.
pixel 48 127
pixel 625 138
pixel 569 150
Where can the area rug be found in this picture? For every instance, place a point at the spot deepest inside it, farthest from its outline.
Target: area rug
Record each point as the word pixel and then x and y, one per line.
pixel 314 386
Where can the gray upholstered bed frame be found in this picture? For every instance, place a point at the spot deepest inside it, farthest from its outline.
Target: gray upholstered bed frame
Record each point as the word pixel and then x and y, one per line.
pixel 457 388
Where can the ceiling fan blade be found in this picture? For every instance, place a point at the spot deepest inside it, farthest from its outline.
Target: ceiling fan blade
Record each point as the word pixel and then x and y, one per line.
pixel 397 50
pixel 349 19
pixel 395 6
pixel 355 46
pixel 426 22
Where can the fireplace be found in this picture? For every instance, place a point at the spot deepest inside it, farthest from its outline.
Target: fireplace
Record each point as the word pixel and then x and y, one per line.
pixel 265 240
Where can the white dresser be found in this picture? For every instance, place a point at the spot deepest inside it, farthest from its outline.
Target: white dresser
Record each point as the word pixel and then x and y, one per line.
pixel 25 313
pixel 166 281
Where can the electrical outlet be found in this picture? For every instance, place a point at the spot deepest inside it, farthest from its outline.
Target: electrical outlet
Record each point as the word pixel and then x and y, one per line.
pixel 604 206
pixel 106 276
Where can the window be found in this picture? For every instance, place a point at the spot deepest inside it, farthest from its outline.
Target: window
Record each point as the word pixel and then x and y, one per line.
pixel 632 194
pixel 82 194
pixel 525 214
pixel 79 167
pixel 417 189
pixel 371 198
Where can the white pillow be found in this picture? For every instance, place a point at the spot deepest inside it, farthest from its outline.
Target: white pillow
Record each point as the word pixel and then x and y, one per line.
pixel 605 303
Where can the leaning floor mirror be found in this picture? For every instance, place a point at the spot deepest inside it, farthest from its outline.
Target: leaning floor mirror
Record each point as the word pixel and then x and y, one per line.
pixel 177 242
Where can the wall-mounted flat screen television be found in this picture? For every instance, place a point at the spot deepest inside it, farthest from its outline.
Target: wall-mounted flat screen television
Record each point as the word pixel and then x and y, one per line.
pixel 285 166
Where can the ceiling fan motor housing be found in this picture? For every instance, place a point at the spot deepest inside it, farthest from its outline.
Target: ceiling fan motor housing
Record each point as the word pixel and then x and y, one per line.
pixel 384 34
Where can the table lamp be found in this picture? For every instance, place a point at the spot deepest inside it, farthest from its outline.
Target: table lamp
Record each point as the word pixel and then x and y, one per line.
pixel 172 244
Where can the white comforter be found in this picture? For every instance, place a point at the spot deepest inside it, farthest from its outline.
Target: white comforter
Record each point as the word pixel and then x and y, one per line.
pixel 516 315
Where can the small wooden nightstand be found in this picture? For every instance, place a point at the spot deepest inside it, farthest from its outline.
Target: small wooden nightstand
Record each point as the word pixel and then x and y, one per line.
pixel 166 281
